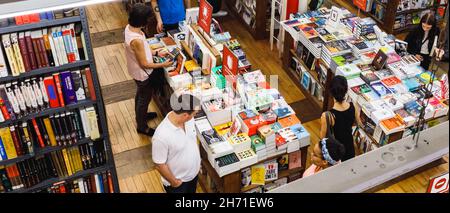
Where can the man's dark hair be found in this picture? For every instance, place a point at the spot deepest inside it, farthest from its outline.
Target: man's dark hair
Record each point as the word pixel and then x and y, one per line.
pixel 139 15
pixel 335 149
pixel 186 103
pixel 338 88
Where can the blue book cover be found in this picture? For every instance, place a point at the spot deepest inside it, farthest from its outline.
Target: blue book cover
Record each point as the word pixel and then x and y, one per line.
pixel 49 15
pixel 43 16
pixel 2 150
pixel 100 183
pixel 412 83
pixel 300 131
pixel 70 96
pixel 380 89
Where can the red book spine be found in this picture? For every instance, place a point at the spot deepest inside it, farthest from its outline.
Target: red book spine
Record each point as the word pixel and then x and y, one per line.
pixel 43 52
pixel 110 182
pixel 90 82
pixel 16 141
pixel 24 53
pixel 59 89
pixel 19 20
pixel 37 52
pixel 31 54
pixel 26 19
pixel 4 110
pixel 38 133
pixel 17 174
pixel 51 92
pixel 93 186
pixel 34 18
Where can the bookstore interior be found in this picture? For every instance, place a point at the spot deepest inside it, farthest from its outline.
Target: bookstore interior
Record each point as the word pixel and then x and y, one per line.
pixel 293 96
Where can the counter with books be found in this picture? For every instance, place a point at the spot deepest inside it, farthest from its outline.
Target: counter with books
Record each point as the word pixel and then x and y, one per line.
pixel 387 83
pixel 250 139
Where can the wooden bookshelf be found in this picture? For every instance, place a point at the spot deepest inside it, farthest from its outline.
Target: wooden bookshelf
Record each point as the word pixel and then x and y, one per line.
pixel 260 30
pixel 390 13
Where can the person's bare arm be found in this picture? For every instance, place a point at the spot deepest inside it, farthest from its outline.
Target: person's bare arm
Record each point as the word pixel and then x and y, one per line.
pixel 323 126
pixel 187 4
pixel 164 170
pixel 138 47
pixel 357 115
pixel 160 24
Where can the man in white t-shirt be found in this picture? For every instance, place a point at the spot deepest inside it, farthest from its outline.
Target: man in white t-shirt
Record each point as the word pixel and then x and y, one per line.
pixel 174 147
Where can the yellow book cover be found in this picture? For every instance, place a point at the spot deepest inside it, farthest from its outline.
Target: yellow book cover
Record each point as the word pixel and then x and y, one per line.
pixel 259 174
pixel 17 54
pixel 67 162
pixel 73 162
pixel 8 143
pixel 93 125
pixel 10 54
pixel 78 159
pixel 51 134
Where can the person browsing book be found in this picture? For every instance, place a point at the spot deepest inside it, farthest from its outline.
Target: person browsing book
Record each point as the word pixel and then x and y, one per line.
pixel 169 13
pixel 343 117
pixel 149 76
pixel 422 38
pixel 328 152
pixel 174 146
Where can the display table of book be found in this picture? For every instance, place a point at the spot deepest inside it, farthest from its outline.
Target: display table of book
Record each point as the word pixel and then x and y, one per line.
pixel 250 139
pixel 387 83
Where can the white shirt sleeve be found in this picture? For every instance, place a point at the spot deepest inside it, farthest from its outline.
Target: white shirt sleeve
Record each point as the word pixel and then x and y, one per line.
pixel 160 151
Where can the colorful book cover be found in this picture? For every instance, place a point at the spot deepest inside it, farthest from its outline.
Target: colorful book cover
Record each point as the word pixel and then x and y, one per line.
pixel 258 173
pixel 380 89
pixel 295 160
pixel 246 177
pixel 68 88
pixel 271 170
pixel 283 162
pixel 309 30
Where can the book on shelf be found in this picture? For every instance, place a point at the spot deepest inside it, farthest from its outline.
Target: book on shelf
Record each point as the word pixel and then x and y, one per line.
pixel 258 174
pixel 94 183
pixel 283 162
pixel 57 164
pixel 271 168
pixel 47 47
pixel 60 129
pixel 295 160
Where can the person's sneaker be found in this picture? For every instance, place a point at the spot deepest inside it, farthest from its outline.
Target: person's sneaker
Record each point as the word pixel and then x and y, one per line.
pixel 221 13
pixel 151 116
pixel 149 132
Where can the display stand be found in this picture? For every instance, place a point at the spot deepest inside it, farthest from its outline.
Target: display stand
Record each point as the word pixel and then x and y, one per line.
pixel 98 103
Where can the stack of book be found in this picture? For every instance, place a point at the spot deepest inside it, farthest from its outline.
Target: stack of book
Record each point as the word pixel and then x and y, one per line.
pixel 31 50
pixel 334 48
pixel 364 26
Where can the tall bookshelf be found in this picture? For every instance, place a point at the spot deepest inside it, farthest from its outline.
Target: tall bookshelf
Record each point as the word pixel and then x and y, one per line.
pixel 256 18
pixel 109 165
pixel 386 13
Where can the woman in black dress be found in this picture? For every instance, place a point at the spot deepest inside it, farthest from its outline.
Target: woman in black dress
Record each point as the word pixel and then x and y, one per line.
pixel 344 115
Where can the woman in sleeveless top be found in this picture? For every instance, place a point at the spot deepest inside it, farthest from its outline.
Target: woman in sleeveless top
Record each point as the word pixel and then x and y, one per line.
pixel 344 115
pixel 149 76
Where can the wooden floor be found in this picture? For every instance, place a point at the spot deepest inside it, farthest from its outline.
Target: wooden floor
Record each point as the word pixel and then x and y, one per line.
pixel 133 152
